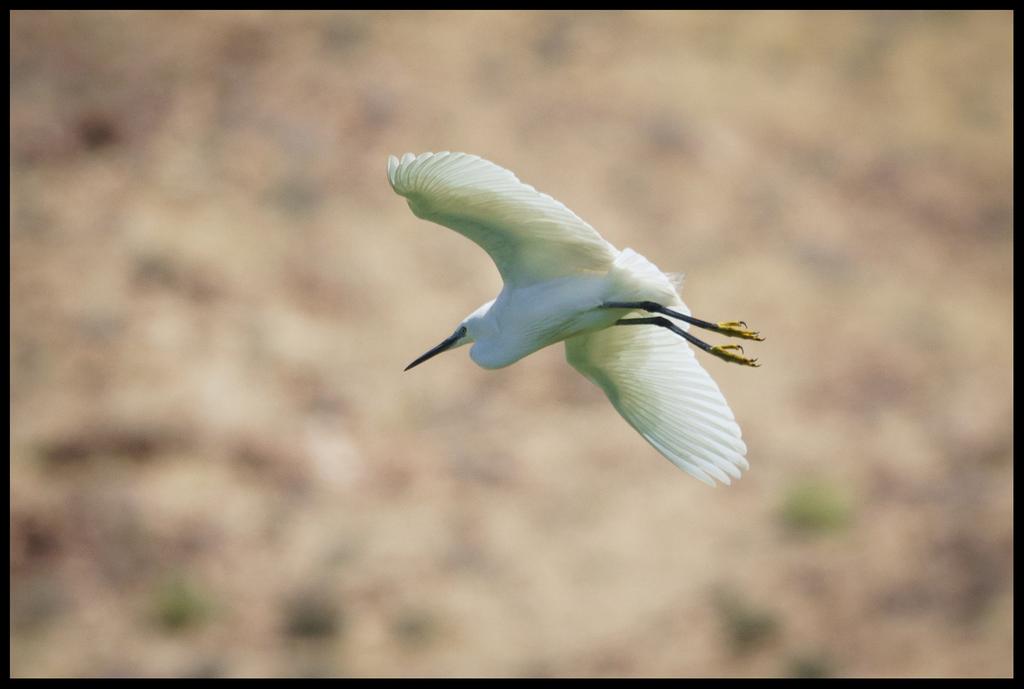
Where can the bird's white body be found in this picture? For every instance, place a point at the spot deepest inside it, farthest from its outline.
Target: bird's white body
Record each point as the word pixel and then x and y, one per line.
pixel 524 319
pixel 558 272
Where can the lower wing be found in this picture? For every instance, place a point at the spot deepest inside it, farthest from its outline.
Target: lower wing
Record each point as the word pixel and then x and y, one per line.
pixel 653 379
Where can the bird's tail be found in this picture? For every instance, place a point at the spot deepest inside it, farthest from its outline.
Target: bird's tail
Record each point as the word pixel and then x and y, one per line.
pixel 641 280
pixel 677 281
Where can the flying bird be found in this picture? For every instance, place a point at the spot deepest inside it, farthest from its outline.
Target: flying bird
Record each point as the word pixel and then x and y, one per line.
pixel 624 324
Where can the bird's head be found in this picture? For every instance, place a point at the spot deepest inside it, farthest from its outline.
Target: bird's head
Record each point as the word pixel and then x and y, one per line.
pixel 466 333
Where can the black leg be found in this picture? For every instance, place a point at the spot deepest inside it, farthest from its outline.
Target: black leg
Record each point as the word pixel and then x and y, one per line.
pixel 724 352
pixel 730 328
pixel 666 323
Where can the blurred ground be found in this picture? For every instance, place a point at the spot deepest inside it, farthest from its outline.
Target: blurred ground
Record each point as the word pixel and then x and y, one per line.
pixel 219 468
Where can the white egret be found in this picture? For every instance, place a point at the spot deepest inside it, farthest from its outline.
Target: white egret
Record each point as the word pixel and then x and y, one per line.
pixel 563 281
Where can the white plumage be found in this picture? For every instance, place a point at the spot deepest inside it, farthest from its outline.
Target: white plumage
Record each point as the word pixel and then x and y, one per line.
pixel 558 272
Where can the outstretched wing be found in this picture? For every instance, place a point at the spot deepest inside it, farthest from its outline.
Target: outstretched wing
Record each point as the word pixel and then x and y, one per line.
pixel 530 236
pixel 655 382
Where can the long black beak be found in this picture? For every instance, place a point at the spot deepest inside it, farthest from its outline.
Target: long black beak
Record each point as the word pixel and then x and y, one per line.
pixel 444 346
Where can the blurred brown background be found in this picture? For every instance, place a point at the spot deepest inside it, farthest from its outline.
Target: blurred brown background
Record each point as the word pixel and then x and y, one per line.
pixel 219 468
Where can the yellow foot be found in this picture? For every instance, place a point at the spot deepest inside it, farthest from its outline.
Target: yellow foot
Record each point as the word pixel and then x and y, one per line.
pixel 738 329
pixel 728 353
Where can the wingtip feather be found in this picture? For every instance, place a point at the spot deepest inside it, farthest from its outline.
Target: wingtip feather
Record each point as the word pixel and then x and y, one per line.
pixel 392 168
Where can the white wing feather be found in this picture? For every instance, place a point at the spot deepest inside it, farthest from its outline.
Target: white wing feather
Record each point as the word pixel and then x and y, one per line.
pixel 530 236
pixel 655 382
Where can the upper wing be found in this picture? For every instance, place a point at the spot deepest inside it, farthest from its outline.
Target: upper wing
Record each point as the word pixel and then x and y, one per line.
pixel 530 236
pixel 656 383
